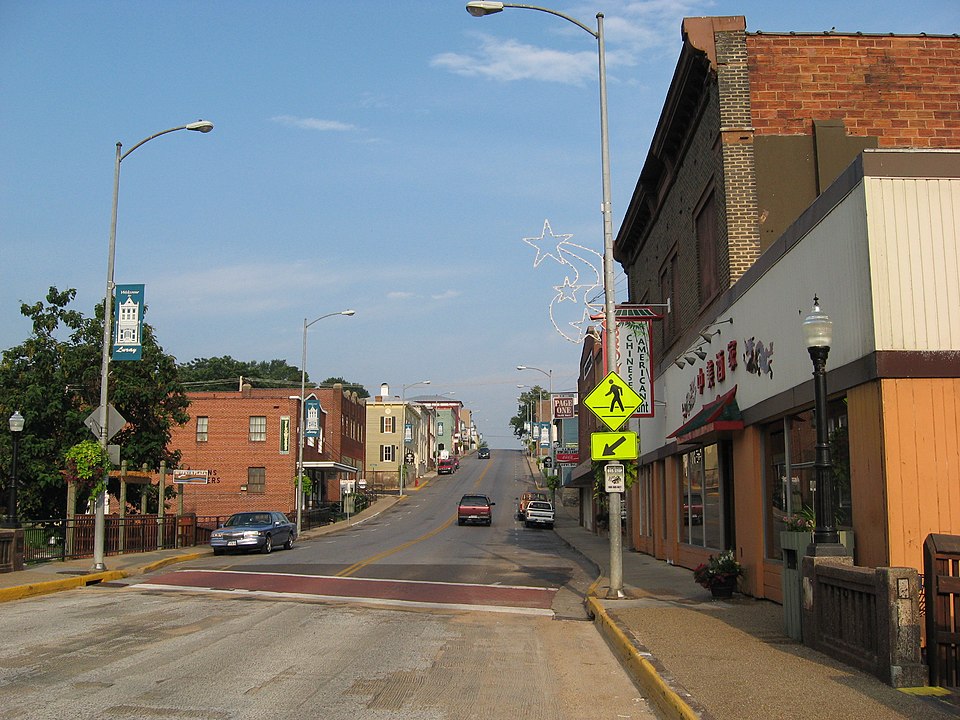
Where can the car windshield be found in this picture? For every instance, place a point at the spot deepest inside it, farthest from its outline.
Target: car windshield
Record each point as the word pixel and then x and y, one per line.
pixel 473 500
pixel 241 519
pixel 540 505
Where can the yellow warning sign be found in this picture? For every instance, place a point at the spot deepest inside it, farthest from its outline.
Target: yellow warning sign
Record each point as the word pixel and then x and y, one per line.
pixel 613 401
pixel 613 446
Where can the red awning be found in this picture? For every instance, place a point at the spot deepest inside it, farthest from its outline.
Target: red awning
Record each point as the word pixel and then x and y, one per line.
pixel 722 414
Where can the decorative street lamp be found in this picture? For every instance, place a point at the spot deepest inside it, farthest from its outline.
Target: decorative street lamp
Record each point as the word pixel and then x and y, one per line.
pixel 303 414
pixel 818 333
pixel 16 427
pixel 202 126
pixel 479 8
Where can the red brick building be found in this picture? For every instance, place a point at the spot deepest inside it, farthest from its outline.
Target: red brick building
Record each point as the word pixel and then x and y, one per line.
pixel 247 441
pixel 786 165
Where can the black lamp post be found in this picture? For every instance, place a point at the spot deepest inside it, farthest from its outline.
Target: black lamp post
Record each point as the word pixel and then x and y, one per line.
pixel 818 331
pixel 16 427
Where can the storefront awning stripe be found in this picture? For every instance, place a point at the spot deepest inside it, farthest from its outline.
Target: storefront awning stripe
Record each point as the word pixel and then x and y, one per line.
pixel 720 414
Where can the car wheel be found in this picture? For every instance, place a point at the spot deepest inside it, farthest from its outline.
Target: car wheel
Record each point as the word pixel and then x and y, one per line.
pixel 267 546
pixel 289 543
pixel 489 523
pixel 218 551
pixel 526 524
pixel 459 522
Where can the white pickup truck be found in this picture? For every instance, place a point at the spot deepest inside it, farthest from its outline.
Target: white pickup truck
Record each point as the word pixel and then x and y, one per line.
pixel 538 512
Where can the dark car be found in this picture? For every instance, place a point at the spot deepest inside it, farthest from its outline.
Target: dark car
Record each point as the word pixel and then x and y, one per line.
pixel 260 530
pixel 483 453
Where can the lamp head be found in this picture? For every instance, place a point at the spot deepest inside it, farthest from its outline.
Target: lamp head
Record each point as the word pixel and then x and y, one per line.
pixel 691 359
pixel 521 367
pixel 16 422
pixel 700 354
pixel 348 312
pixel 817 327
pixel 679 363
pixel 203 126
pixel 479 8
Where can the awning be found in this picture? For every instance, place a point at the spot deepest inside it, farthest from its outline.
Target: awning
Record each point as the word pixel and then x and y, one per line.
pixel 581 476
pixel 329 465
pixel 720 415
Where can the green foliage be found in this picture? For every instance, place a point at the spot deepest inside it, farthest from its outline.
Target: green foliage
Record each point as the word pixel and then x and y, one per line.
pixel 526 404
pixel 53 379
pixel 306 484
pixel 87 465
pixel 359 389
pixel 219 373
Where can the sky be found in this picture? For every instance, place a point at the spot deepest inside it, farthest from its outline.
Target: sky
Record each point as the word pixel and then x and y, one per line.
pixel 438 173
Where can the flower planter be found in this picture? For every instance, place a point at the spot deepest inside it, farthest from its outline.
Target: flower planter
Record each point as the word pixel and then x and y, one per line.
pixel 724 589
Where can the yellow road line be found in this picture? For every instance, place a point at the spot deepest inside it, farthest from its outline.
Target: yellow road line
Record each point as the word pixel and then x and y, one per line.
pixel 360 564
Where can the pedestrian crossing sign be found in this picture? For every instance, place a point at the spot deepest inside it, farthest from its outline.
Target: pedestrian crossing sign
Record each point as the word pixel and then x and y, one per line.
pixel 612 400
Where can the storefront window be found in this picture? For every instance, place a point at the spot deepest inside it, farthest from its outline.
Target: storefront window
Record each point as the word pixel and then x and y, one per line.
pixel 790 450
pixel 701 508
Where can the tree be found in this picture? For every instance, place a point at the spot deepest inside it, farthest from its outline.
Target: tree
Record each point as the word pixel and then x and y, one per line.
pixel 528 398
pixel 356 387
pixel 55 383
pixel 218 373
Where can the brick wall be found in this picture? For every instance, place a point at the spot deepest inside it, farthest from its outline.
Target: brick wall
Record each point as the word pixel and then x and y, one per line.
pixel 904 90
pixel 228 452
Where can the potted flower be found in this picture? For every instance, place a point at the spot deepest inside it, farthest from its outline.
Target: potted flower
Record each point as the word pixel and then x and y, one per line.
pixel 719 574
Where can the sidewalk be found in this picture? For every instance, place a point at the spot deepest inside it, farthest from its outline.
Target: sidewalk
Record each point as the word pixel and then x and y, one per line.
pixel 697 657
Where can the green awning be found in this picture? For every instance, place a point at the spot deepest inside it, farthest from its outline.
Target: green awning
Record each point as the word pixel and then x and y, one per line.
pixel 722 414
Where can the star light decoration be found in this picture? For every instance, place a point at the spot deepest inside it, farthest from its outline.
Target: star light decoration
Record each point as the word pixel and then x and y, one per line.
pixel 582 278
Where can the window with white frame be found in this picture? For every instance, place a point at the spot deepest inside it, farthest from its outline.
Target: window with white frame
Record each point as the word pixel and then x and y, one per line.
pixel 388 424
pixel 202 428
pixel 388 453
pixel 258 428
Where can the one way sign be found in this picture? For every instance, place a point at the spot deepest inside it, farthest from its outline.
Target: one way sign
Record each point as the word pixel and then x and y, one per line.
pixel 613 446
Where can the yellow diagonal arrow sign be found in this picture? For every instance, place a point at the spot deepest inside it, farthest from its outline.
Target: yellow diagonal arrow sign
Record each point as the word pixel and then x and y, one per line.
pixel 613 446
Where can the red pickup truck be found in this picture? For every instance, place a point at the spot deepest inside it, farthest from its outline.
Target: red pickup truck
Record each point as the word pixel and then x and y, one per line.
pixel 475 509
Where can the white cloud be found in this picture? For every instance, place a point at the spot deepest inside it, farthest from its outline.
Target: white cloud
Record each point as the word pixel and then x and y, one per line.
pixel 512 60
pixel 400 295
pixel 448 295
pixel 313 123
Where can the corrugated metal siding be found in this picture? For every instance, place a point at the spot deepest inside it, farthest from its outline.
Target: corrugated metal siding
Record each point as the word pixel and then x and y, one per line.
pixel 914 262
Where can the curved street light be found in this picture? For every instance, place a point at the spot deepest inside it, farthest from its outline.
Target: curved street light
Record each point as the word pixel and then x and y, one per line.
pixel 302 420
pixel 479 8
pixel 202 126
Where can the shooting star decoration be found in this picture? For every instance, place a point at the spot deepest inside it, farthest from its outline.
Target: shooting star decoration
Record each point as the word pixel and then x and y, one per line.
pixel 582 278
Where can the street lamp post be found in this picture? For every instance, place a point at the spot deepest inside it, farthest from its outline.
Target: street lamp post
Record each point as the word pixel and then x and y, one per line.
pixel 403 430
pixel 302 419
pixel 479 8
pixel 16 427
pixel 818 333
pixel 202 126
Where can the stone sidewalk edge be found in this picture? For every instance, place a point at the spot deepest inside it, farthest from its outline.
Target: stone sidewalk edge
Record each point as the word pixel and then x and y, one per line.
pixel 642 665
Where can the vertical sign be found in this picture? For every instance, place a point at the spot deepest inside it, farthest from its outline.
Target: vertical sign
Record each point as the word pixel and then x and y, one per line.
pixel 311 409
pixel 127 322
pixel 636 362
pixel 284 435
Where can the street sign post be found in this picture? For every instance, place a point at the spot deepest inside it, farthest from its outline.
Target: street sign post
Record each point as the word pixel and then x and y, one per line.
pixel 613 446
pixel 613 400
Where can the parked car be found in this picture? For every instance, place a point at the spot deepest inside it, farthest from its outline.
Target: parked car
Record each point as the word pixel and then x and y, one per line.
pixel 539 513
pixel 483 453
pixel 475 509
pixel 261 530
pixel 445 466
pixel 525 500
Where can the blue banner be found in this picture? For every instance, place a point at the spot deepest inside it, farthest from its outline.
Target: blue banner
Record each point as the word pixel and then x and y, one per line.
pixel 127 322
pixel 311 412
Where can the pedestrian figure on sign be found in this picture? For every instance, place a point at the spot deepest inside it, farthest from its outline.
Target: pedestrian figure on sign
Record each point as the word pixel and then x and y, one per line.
pixel 616 391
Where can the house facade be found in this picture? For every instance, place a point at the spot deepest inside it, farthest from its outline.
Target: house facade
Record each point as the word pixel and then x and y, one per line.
pixel 247 441
pixel 784 166
pixel 400 437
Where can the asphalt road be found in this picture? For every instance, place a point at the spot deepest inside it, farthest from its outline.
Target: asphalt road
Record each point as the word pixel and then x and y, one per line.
pixel 436 621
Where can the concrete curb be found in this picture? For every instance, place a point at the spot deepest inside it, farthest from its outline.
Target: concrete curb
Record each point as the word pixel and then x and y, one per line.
pixel 46 587
pixel 670 704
